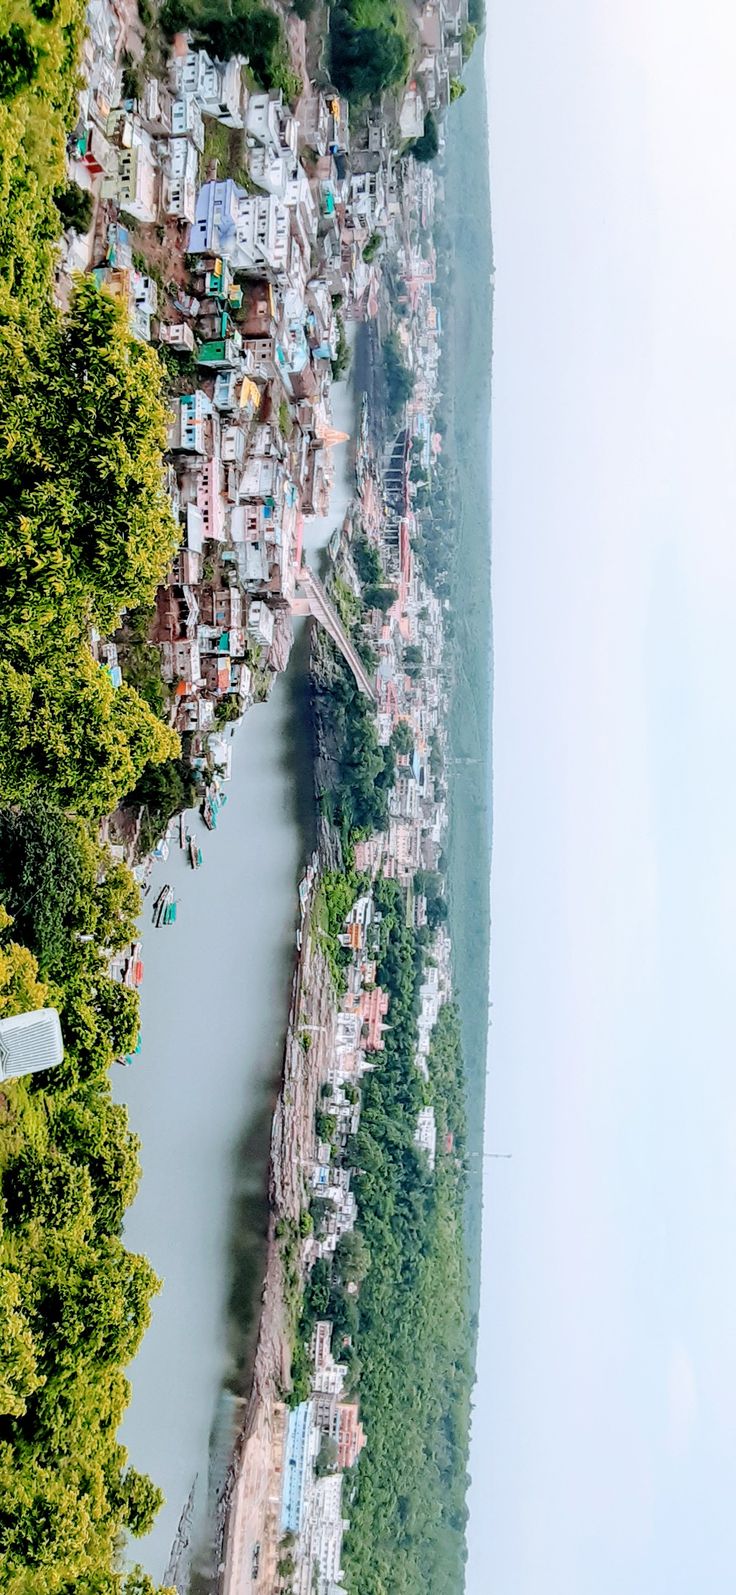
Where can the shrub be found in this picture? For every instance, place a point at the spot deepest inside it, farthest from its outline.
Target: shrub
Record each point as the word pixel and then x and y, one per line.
pixel 75 207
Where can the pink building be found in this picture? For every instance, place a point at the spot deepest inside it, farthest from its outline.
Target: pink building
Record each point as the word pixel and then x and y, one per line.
pixel 371 1008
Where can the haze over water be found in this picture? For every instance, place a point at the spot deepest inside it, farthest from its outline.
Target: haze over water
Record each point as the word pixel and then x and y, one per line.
pixel 603 1452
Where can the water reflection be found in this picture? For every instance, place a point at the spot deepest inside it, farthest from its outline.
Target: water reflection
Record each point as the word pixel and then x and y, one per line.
pixel 200 1095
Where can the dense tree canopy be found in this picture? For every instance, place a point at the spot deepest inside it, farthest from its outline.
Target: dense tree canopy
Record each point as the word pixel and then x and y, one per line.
pixel 399 379
pixel 74 1302
pixel 85 530
pixel 79 737
pixel 86 526
pixel 426 147
pixel 366 59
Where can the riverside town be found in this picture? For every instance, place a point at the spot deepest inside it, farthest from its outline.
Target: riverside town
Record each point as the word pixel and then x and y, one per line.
pixel 221 220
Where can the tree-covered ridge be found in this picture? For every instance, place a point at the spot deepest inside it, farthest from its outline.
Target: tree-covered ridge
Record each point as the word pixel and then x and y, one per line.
pixel 73 1301
pixel 410 1345
pixel 413 1340
pixel 85 531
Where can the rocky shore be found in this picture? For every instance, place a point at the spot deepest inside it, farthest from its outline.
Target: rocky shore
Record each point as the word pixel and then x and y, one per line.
pixel 249 1507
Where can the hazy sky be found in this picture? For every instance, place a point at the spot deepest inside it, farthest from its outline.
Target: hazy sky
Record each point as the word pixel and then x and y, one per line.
pixel 604 1445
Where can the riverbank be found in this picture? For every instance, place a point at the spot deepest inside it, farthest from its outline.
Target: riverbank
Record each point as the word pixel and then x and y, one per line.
pixel 146 608
pixel 203 1204
pixel 252 1538
pixel 251 1503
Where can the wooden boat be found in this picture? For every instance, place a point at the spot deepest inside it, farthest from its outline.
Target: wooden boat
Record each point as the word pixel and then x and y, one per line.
pixel 159 903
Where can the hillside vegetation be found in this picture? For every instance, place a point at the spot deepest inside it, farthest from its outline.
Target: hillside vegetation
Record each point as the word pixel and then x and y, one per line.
pixel 369 42
pixel 411 1342
pixel 85 531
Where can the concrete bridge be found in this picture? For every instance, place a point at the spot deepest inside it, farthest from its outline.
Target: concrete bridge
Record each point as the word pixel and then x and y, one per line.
pixel 314 601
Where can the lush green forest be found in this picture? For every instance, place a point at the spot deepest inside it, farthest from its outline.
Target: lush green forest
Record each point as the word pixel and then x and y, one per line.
pixel 85 532
pixel 73 1301
pixel 361 771
pixel 414 1343
pixel 411 1343
pixel 410 1356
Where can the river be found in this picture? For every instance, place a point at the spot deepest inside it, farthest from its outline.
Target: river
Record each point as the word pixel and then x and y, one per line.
pixel 200 1094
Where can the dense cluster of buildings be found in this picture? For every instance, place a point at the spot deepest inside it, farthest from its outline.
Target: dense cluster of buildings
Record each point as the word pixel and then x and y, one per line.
pixel 442 44
pixel 244 278
pixel 312 1507
pixel 245 282
pixel 408 644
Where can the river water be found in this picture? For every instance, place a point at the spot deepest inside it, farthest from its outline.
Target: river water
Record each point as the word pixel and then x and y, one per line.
pixel 200 1095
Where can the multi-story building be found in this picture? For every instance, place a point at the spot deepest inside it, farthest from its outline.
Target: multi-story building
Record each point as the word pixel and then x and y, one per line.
pixel 217 86
pixel 191 413
pixel 302 1442
pixel 179 193
pixel 425 1134
pixel 186 119
pixel 263 234
pixel 350 1434
pixel 260 623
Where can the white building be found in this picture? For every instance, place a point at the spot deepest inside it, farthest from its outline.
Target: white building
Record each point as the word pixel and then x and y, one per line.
pixel 270 123
pixel 251 231
pixel 178 335
pixel 425 1134
pixel 269 169
pixel 260 623
pixel 134 181
pixel 216 220
pixel 191 412
pixel 325 1533
pixel 217 88
pixel 261 478
pixel 30 1042
pixel 263 233
pixel 180 180
pixel 180 661
pixel 186 119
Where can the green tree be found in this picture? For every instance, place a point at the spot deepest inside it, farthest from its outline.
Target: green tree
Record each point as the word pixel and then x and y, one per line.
pixel 80 738
pixel 426 147
pixel 49 1187
pixel 84 427
pixel 379 597
pixel 20 989
pixel 19 60
pixel 75 206
pixel 139 1501
pixel 399 379
pixel 326 1462
pixel 352 1257
pixel 367 560
pixel 19 1375
pixel 48 870
pixel 402 740
pixel 325 1126
pixel 366 60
